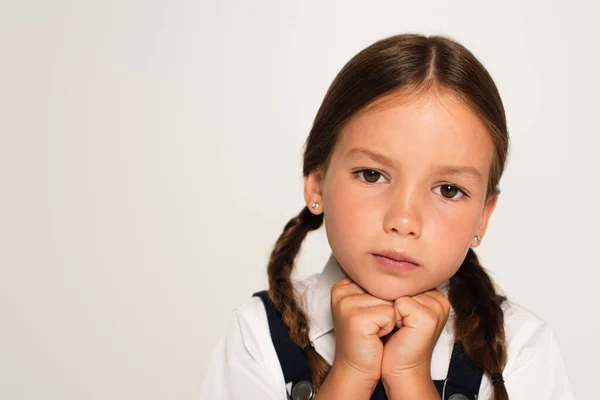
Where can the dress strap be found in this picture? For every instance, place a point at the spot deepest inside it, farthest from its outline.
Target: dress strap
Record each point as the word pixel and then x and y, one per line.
pixel 292 358
pixel 462 383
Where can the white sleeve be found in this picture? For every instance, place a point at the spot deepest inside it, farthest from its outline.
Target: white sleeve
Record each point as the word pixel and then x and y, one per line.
pixel 241 366
pixel 540 372
pixel 535 368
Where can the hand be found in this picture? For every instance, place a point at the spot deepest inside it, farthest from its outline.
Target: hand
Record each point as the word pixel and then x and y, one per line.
pixel 359 320
pixel 420 320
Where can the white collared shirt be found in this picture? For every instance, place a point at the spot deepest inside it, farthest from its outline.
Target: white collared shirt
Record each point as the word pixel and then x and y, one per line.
pixel 244 364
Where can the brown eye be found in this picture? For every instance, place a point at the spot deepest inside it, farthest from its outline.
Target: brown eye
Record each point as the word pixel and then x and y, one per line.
pixel 451 191
pixel 369 175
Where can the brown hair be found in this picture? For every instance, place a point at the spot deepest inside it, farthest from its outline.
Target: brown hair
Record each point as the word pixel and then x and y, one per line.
pixel 399 63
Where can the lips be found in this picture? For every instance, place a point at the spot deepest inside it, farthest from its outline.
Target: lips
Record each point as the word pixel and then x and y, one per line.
pixel 396 256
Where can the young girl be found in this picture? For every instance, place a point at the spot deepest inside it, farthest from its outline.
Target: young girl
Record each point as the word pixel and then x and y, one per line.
pixel 402 165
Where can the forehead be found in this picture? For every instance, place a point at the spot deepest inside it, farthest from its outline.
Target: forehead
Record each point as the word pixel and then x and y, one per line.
pixel 420 129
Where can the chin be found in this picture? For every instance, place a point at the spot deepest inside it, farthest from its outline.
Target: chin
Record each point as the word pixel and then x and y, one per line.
pixel 390 292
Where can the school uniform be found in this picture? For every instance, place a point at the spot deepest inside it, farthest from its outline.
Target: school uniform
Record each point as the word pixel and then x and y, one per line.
pixel 245 363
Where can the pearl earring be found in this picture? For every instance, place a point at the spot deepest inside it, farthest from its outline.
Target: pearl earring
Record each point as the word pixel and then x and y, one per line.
pixel 315 205
pixel 478 239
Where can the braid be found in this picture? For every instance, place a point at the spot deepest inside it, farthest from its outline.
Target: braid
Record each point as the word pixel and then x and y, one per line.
pixel 479 321
pixel 281 290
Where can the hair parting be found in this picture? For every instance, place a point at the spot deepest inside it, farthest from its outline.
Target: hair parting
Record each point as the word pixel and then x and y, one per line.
pixel 401 63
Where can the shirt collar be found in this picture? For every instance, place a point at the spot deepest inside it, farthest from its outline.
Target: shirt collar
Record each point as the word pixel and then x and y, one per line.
pixel 319 298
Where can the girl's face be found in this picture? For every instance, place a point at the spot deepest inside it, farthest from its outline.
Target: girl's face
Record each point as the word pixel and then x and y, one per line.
pixel 408 175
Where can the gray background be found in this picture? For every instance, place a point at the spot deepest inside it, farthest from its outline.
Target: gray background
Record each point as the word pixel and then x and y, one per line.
pixel 151 154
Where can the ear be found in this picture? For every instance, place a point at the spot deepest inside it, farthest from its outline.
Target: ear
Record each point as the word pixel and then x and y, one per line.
pixel 313 192
pixel 488 209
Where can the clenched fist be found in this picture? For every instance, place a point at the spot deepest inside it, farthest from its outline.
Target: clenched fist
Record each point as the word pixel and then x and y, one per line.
pixel 420 320
pixel 360 320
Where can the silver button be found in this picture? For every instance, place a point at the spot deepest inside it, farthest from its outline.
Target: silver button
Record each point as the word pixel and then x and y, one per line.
pixel 303 390
pixel 458 396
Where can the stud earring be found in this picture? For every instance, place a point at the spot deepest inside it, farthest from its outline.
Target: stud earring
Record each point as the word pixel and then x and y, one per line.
pixel 315 205
pixel 478 239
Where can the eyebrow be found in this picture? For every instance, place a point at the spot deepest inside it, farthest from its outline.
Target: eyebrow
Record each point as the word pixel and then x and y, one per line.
pixel 444 169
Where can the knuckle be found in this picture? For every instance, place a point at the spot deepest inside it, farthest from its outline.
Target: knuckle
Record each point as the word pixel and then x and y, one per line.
pixel 447 307
pixel 430 318
pixel 335 292
pixel 354 320
pixel 334 300
pixel 439 308
pixel 399 302
pixel 343 305
pixel 389 312
pixel 335 289
pixel 339 284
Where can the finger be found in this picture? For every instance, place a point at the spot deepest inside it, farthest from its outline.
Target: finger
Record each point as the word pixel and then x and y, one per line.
pixel 435 300
pixel 442 299
pixel 364 300
pixel 383 316
pixel 436 294
pixel 343 288
pixel 341 283
pixel 434 308
pixel 345 291
pixel 411 313
pixel 430 302
pixel 350 288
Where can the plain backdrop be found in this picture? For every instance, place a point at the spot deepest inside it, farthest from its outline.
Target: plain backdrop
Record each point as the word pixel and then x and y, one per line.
pixel 150 155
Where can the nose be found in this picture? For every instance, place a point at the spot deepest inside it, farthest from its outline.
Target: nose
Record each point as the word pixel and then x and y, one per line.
pixel 403 215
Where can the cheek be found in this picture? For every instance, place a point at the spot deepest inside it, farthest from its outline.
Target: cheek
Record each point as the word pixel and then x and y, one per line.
pixel 455 225
pixel 348 213
pixel 451 233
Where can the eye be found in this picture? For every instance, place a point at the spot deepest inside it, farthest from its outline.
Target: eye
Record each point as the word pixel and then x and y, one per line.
pixel 369 175
pixel 449 191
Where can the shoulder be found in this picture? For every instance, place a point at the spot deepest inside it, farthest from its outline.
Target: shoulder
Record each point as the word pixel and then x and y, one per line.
pixel 535 367
pixel 250 323
pixel 244 363
pixel 524 328
pixel 252 312
pixel 518 316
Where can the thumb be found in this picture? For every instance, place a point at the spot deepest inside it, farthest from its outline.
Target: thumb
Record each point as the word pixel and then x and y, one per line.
pixel 397 318
pixel 385 319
